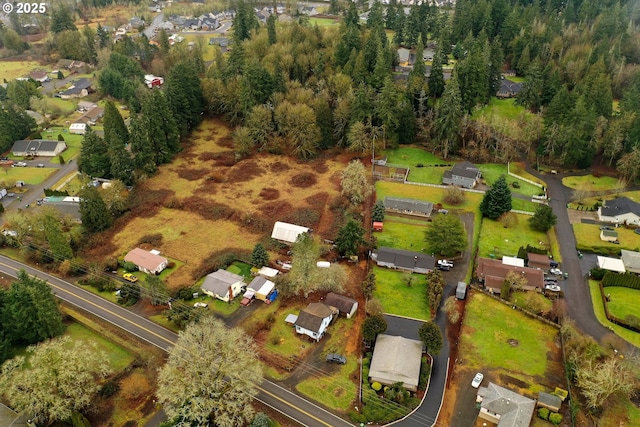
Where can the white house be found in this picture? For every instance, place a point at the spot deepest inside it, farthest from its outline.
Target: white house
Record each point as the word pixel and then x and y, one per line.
pixel 147 262
pixel 286 232
pixel 78 128
pixel 223 284
pixel 261 288
pixel 620 211
pixel 396 359
pixel 313 320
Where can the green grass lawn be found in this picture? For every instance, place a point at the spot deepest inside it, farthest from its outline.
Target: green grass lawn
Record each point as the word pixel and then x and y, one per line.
pixel 32 176
pixel 398 298
pixel 590 182
pixel 623 301
pixel 74 142
pixel 411 156
pixel 429 194
pixel 519 169
pixel 14 69
pixel 520 299
pixel 598 308
pixel 402 234
pixel 588 239
pixel 591 201
pixel 323 22
pixel 523 205
pixel 489 324
pixel 427 174
pixel 242 269
pixel 497 240
pixel 119 358
pixel 504 108
pixel 491 172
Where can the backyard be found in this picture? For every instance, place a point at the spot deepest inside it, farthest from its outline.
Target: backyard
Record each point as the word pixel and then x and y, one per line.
pixel 500 241
pixel 623 301
pixel 398 297
pixel 590 182
pixel 492 171
pixel 588 239
pixel 429 194
pixel 10 70
pixel 403 233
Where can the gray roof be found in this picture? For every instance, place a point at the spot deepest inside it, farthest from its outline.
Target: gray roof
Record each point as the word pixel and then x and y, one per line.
pixel 620 206
pixel 77 87
pixel 257 283
pixel 609 233
pixel 465 169
pixel 408 205
pixel 396 359
pixel 342 303
pixel 219 281
pixel 509 86
pixel 35 145
pixel 405 259
pixel 514 409
pixel 631 259
pixel 311 317
pixel 549 400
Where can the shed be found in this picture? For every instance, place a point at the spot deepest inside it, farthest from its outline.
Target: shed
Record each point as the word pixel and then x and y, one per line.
pixel 78 128
pixel 609 235
pixel 549 401
pixel 461 290
pixel 378 226
pixel 286 232
pixel 631 260
pixel 262 287
pixel 345 305
pixel 268 272
pixel 611 264
pixel 323 264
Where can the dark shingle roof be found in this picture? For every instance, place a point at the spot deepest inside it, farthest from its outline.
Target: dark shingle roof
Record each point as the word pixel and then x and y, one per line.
pixel 34 145
pixel 406 259
pixel 342 303
pixel 620 206
pixel 408 205
pixel 465 169
pixel 311 317
pixel 508 86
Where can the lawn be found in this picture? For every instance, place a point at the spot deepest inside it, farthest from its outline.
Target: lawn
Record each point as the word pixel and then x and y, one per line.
pixel 74 142
pixel 118 357
pixel 32 176
pixel 398 298
pixel 519 169
pixel 72 183
pixel 427 174
pixel 10 70
pixel 429 194
pixel 402 234
pixel 497 240
pixel 623 301
pixel 588 239
pixel 598 308
pixel 509 119
pixel 487 340
pixel 591 201
pixel 411 156
pixel 523 205
pixel 504 108
pixel 590 182
pixel 491 172
pixel 241 268
pixel 323 22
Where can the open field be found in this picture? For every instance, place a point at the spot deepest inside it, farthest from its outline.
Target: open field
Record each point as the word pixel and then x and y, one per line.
pixel 491 172
pixel 514 347
pixel 32 176
pixel 402 234
pixel 623 302
pixel 323 22
pixel 429 194
pixel 398 298
pixel 10 70
pixel 497 240
pixel 205 204
pixel 590 182
pixel 588 239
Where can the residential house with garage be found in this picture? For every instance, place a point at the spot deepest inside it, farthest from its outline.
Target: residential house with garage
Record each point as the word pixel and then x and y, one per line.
pixel 621 210
pixel 223 285
pixel 38 147
pixel 399 259
pixel 631 261
pixel 314 320
pixel 503 407
pixel 149 262
pixel 396 359
pixel 408 206
pixel 463 174
pixel 492 273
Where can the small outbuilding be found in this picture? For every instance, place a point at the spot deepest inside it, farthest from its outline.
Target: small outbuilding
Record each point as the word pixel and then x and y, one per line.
pixel 378 226
pixel 263 289
pixel 461 290
pixel 345 305
pixel 609 235
pixel 540 261
pixel 78 128
pixel 513 261
pixel 549 401
pixel 268 272
pixel 611 264
pixel 631 260
pixel 286 232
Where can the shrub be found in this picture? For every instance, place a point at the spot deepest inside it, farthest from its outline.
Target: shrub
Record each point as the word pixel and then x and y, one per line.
pixel 171 264
pixel 60 137
pixel 626 280
pixel 151 239
pixel 109 389
pixel 135 386
pixel 555 419
pixel 129 266
pixel 357 417
pixel 376 386
pixel 425 372
pixel 454 195
pixel 419 165
pixel 543 413
pixel 597 273
pixel 185 293
pixel 515 184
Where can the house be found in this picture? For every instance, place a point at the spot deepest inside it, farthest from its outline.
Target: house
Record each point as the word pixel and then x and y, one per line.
pixel 631 261
pixel 408 206
pixel 86 106
pixel 149 262
pixel 396 359
pixel 540 261
pixel 78 128
pixel 38 147
pixel 286 232
pixel 465 174
pixel 611 264
pixel 262 289
pixel 378 226
pixel 345 305
pixel 461 290
pixel 92 116
pixel 399 259
pixel 222 284
pixel 308 10
pixel 620 211
pixel 508 89
pixel 67 206
pixel 39 76
pixel 314 319
pixel 268 272
pixel 504 407
pixel 284 18
pixel 492 273
pixel 549 401
pixel 79 89
pixel 153 81
pixel 223 42
pixel 609 235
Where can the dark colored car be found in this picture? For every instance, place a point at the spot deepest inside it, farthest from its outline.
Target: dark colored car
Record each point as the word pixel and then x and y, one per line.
pixel 336 358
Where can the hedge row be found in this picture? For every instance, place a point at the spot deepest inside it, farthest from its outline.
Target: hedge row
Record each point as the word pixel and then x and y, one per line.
pixel 625 280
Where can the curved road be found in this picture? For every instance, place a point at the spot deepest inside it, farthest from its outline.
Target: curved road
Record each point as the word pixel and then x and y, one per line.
pixel 295 407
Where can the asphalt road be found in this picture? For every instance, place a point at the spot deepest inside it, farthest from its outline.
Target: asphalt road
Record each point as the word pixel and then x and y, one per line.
pixel 295 407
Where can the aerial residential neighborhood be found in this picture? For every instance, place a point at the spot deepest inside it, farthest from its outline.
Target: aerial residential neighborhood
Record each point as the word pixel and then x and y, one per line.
pixel 322 214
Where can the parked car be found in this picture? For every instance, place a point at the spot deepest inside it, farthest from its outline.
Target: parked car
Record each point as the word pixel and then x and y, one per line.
pixel 606 227
pixel 552 288
pixel 19 165
pixel 336 358
pixel 477 380
pixel 637 231
pixel 129 277
pixel 550 279
pixel 443 267
pixel 556 271
pixel 201 305
pixel 40 165
pixel 445 263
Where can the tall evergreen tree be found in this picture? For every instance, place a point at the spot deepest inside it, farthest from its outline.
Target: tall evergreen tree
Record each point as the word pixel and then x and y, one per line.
pixel 15 124
pixel 184 95
pixel 58 242
pixel 94 156
pixel 271 29
pixel 497 200
pixel 436 76
pixel 259 256
pixel 113 123
pixel 449 115
pixel 144 156
pixel 61 19
pixel 93 210
pixel 349 238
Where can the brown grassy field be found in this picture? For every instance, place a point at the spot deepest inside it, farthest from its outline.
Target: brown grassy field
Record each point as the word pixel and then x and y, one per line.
pixel 205 204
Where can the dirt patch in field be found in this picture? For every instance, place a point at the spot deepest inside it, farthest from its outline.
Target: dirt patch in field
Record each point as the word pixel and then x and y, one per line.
pixel 515 382
pixel 304 180
pixel 269 194
pixel 227 158
pixel 278 167
pixel 276 210
pixel 207 208
pixel 244 171
pixel 192 174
